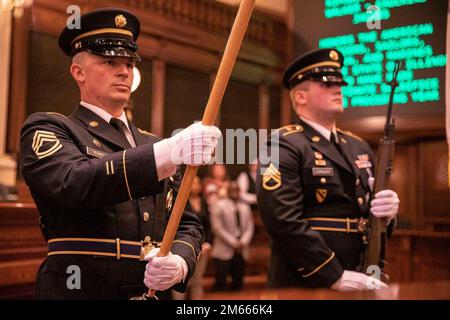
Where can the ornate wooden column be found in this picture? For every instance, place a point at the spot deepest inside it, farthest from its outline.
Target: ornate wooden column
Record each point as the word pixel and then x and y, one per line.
pixel 6 14
pixel 18 79
pixel 158 96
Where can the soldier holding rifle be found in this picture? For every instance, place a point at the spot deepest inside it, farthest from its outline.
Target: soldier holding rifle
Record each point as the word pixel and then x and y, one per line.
pixel 315 201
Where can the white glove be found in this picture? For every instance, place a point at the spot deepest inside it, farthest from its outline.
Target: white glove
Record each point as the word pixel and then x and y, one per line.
pixel 385 205
pixel 191 146
pixel 163 273
pixel 357 281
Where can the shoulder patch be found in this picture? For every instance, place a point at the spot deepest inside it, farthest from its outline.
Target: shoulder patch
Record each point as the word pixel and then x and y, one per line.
pixel 348 133
pixel 290 129
pixel 56 114
pixel 271 178
pixel 146 133
pixel 45 144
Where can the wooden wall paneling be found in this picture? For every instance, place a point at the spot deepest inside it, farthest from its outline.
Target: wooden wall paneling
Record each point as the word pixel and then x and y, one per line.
pixel 22 249
pixel 18 79
pixel 192 42
pixel 263 106
pixel 50 85
pixel 398 258
pixel 287 114
pixel 435 170
pixel 239 111
pixel 185 98
pixel 404 181
pixel 158 96
pixel 275 107
pixel 415 256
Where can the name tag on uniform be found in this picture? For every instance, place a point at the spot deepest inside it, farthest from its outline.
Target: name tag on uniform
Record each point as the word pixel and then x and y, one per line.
pixel 95 153
pixel 323 172
pixel 363 161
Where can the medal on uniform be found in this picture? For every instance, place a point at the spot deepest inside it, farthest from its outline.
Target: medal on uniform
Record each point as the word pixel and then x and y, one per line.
pixel 363 161
pixel 320 163
pixel 169 200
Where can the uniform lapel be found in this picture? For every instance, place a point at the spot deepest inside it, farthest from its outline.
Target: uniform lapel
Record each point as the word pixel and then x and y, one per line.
pixel 321 144
pixel 139 138
pixel 348 153
pixel 99 127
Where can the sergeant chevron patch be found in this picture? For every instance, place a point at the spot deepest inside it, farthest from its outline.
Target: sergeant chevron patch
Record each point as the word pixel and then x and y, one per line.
pixel 45 144
pixel 271 178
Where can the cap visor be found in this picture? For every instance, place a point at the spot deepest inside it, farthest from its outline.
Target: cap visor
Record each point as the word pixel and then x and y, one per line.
pixel 115 52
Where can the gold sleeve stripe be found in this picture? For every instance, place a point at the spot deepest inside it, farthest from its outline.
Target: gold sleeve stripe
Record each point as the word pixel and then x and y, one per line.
pixel 112 167
pixel 107 168
pixel 319 267
pixel 125 173
pixel 190 245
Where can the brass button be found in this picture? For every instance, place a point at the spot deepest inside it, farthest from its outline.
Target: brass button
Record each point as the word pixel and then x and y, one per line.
pixel 360 201
pixel 146 216
pixel 357 182
pixel 323 180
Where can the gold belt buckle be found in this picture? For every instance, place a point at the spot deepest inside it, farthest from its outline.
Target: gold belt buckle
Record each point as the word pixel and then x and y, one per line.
pixel 362 225
pixel 147 246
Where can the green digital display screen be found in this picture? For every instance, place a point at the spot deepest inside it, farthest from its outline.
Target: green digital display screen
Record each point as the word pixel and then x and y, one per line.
pixel 373 35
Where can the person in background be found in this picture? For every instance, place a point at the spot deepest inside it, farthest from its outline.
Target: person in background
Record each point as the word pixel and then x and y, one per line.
pixel 218 177
pixel 200 207
pixel 232 226
pixel 315 198
pixel 247 185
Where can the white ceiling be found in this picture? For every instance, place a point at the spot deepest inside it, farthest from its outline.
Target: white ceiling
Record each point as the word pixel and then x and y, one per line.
pixel 276 6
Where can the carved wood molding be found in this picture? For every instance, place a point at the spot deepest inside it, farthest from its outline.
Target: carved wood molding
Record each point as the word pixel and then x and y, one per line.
pixel 188 32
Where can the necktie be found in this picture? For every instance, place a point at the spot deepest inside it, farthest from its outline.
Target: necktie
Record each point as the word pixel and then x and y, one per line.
pixel 238 222
pixel 120 128
pixel 334 142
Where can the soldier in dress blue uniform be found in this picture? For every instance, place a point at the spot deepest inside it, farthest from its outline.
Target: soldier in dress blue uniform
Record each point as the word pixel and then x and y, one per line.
pixel 103 187
pixel 314 200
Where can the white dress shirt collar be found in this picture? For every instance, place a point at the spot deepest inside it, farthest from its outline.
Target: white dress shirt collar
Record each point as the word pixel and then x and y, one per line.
pixel 321 129
pixel 104 114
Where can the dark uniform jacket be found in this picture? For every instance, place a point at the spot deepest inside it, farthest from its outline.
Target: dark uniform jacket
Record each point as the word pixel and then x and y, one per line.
pixel 313 179
pixel 88 183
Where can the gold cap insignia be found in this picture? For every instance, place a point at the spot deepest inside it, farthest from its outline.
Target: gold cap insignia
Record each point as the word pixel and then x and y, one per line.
pixel 96 143
pixel 271 178
pixel 334 55
pixel 169 200
pixel 316 139
pixel 120 21
pixel 94 124
pixel 321 195
pixel 45 144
